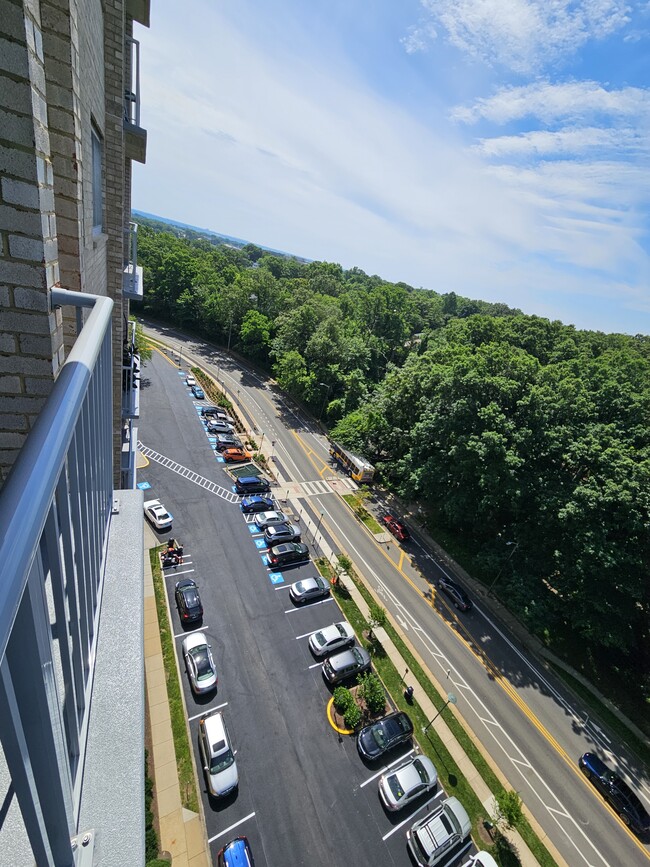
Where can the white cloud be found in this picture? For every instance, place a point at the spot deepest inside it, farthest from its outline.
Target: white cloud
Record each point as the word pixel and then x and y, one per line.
pixel 575 141
pixel 524 35
pixel 418 37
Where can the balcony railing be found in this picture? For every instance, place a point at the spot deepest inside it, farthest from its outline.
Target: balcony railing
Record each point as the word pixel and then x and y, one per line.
pixel 59 524
pixel 135 136
pixel 132 284
pixel 130 376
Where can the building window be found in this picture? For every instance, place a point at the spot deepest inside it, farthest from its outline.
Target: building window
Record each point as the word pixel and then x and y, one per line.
pixel 98 190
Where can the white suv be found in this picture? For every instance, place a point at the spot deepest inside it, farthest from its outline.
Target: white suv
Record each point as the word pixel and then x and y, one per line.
pixel 433 837
pixel 218 759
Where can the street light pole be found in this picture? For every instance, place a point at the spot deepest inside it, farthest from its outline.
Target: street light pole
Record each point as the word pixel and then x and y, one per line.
pixel 451 699
pixel 516 545
pixel 313 541
pixel 322 409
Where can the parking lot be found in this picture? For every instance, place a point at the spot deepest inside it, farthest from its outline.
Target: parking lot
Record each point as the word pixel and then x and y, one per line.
pixel 304 794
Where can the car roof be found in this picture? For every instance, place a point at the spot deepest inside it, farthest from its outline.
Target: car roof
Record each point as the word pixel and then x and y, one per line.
pixel 236 853
pixel 196 639
pixel 185 583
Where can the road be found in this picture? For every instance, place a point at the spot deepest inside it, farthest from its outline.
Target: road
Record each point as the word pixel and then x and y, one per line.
pixel 530 725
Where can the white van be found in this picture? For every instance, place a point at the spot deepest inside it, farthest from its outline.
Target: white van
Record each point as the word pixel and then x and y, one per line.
pixel 218 759
pixel 433 837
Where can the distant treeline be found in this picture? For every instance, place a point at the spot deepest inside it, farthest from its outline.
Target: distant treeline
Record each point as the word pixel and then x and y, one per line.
pixel 528 439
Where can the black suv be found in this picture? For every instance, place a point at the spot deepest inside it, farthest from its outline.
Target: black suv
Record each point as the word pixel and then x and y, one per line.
pixel 188 601
pixel 252 485
pixel 380 737
pixel 617 792
pixel 288 553
pixel 457 595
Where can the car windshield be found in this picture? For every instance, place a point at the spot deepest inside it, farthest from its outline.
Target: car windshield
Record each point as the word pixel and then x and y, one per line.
pixel 422 773
pixel 357 655
pixel 202 662
pixel 341 630
pixel 300 587
pixel 319 638
pixel 221 762
pixel 395 787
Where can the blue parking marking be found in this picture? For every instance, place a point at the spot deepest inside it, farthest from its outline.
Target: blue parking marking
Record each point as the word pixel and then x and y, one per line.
pixel 212 438
pixel 143 486
pixel 181 373
pixel 220 460
pixel 265 560
pixel 260 544
pixel 234 489
pixel 253 528
pixel 276 577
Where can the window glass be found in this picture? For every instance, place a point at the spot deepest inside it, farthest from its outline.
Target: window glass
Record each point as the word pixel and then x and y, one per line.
pixel 98 191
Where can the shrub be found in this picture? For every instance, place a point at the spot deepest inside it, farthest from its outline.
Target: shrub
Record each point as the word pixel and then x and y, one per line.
pixel 352 716
pixel 509 811
pixel 371 690
pixel 343 699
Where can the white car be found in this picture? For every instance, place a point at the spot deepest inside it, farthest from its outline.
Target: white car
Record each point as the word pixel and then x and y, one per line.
pixel 217 756
pixel 199 663
pixel 399 787
pixel 217 427
pixel 267 519
pixel 190 381
pixel 337 636
pixel 481 859
pixel 158 515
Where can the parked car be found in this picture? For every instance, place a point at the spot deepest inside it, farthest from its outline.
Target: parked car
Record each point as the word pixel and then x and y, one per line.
pixel 237 853
pixel 221 415
pixel 617 792
pixel 217 756
pixel 378 738
pixel 199 663
pixel 309 588
pixel 256 503
pixel 219 427
pixel 482 859
pixel 399 787
pixel 188 601
pixel 266 519
pixel 198 392
pixel 158 515
pixel 288 554
pixel 396 527
pixel 335 637
pixel 432 838
pixel 235 454
pixel 277 533
pixel 227 441
pixel 459 598
pixel 252 485
pixel 189 380
pixel 346 664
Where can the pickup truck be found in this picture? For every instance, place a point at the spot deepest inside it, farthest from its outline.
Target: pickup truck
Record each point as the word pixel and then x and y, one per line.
pixel 432 838
pixel 396 527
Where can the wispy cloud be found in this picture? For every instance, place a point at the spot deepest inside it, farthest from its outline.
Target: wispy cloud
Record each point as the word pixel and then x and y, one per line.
pixel 576 141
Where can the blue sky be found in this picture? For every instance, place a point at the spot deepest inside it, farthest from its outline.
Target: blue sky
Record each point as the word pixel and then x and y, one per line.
pixel 496 148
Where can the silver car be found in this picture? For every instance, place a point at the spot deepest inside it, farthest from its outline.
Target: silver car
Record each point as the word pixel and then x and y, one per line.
pixel 219 765
pixel 267 519
pixel 218 426
pixel 398 788
pixel 277 533
pixel 309 588
pixel 199 663
pixel 335 637
pixel 346 664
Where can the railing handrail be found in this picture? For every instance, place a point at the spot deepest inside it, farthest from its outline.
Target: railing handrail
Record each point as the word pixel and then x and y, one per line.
pixel 27 494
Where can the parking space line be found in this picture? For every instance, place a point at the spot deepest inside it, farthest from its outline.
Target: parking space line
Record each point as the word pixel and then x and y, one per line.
pixel 387 768
pixel 307 607
pixel 173 574
pixel 283 587
pixel 306 635
pixel 412 815
pixel 191 631
pixel 228 830
pixel 207 711
pixel 315 665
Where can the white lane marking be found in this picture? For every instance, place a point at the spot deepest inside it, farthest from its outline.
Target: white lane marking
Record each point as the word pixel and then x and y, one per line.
pixel 307 606
pixel 180 470
pixel 315 665
pixel 446 665
pixel 412 815
pixel 282 587
pixel 191 631
pixel 228 830
pixel 186 562
pixel 306 634
pixel 386 768
pixel 206 711
pixel 176 574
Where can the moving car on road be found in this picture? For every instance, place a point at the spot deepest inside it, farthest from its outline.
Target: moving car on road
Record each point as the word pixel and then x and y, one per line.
pixel 332 638
pixel 218 759
pixel 396 527
pixel 188 601
pixel 257 503
pixel 277 533
pixel 309 589
pixel 378 738
pixel 348 663
pixel 158 515
pixel 199 663
pixel 399 787
pixel 288 554
pixel 617 792
pixel 459 598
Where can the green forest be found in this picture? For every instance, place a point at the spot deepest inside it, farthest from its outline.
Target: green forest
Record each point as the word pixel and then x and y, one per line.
pixel 525 440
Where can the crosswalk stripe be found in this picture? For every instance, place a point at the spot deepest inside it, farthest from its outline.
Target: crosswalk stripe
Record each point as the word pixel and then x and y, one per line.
pixel 180 470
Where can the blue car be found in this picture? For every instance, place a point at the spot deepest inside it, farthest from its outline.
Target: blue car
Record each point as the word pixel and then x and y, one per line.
pixel 198 392
pixel 237 853
pixel 617 792
pixel 257 504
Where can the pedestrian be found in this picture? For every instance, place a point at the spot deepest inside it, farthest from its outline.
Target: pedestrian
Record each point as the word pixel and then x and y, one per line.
pixel 179 552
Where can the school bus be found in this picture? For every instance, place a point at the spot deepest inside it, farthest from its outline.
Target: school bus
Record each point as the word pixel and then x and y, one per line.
pixel 357 468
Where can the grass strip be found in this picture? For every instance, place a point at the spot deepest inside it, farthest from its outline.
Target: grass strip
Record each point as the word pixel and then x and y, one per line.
pixel 186 779
pixel 430 743
pixel 356 504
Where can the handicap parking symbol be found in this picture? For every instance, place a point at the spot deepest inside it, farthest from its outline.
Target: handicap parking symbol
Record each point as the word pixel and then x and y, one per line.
pixel 143 486
pixel 265 560
pixel 260 543
pixel 276 577
pixel 253 528
pixel 220 460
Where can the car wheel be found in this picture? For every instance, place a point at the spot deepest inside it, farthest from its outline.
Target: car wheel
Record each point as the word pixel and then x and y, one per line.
pixel 626 819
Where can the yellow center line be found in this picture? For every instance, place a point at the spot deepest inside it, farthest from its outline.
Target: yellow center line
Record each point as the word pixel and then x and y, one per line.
pixel 309 452
pixel 401 560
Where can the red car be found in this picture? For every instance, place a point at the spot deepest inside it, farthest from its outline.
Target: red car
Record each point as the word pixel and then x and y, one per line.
pixel 396 527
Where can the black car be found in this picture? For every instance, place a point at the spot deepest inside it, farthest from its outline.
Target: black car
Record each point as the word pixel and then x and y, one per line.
pixel 188 601
pixel 227 441
pixel 252 485
pixel 457 595
pixel 257 503
pixel 380 737
pixel 617 792
pixel 288 553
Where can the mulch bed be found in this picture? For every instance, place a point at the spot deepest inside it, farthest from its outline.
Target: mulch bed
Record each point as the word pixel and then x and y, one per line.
pixel 367 718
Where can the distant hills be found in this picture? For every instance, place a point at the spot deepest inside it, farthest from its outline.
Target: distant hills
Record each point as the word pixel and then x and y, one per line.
pixel 209 234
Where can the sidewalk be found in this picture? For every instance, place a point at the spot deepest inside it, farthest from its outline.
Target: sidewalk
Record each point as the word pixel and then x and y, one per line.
pixel 182 833
pixel 482 791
